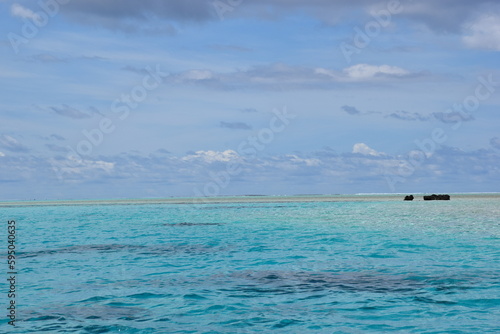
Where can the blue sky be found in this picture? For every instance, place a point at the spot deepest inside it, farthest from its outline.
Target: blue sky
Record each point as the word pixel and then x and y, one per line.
pixel 128 99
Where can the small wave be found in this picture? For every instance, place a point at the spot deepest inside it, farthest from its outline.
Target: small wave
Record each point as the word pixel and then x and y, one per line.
pixel 192 224
pixel 147 295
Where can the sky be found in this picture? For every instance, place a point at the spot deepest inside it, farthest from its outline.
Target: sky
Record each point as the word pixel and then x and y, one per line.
pixel 183 98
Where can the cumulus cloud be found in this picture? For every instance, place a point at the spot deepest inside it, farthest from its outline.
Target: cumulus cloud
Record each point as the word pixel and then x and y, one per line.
pixel 366 71
pixel 363 170
pixel 307 161
pixel 235 125
pixel 484 33
pixel 212 156
pixel 73 166
pixel 369 73
pixel 363 149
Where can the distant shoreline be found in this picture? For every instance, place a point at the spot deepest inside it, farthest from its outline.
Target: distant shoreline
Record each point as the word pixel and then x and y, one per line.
pixel 243 199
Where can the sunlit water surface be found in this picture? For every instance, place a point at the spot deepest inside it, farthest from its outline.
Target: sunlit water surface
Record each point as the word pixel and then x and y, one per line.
pixel 373 265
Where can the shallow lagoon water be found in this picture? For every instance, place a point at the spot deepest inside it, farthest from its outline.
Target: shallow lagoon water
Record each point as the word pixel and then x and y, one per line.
pixel 338 264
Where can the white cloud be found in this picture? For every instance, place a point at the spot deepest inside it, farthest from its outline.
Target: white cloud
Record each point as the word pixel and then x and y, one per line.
pixel 307 161
pixel 197 75
pixel 366 71
pixel 484 33
pixel 281 76
pixel 2 154
pixel 76 166
pixel 327 72
pixel 213 156
pixel 362 148
pixel 367 171
pixel 23 12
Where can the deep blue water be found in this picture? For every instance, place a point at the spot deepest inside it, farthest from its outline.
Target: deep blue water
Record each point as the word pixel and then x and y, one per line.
pixel 373 266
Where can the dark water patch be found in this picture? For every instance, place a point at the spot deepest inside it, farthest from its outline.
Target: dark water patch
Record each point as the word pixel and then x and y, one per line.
pixel 371 308
pixel 256 290
pixel 156 250
pixel 96 329
pixel 84 329
pixel 103 248
pixel 280 282
pixel 194 249
pixel 272 277
pixel 433 301
pixel 88 312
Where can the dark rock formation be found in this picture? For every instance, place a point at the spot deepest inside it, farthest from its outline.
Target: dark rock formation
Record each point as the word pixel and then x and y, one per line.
pixel 435 197
pixel 409 198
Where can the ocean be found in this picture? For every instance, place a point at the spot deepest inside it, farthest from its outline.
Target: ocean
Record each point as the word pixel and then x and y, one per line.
pixel 255 264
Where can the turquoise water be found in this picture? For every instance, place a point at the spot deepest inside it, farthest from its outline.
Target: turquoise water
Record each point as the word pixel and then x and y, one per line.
pixel 371 266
